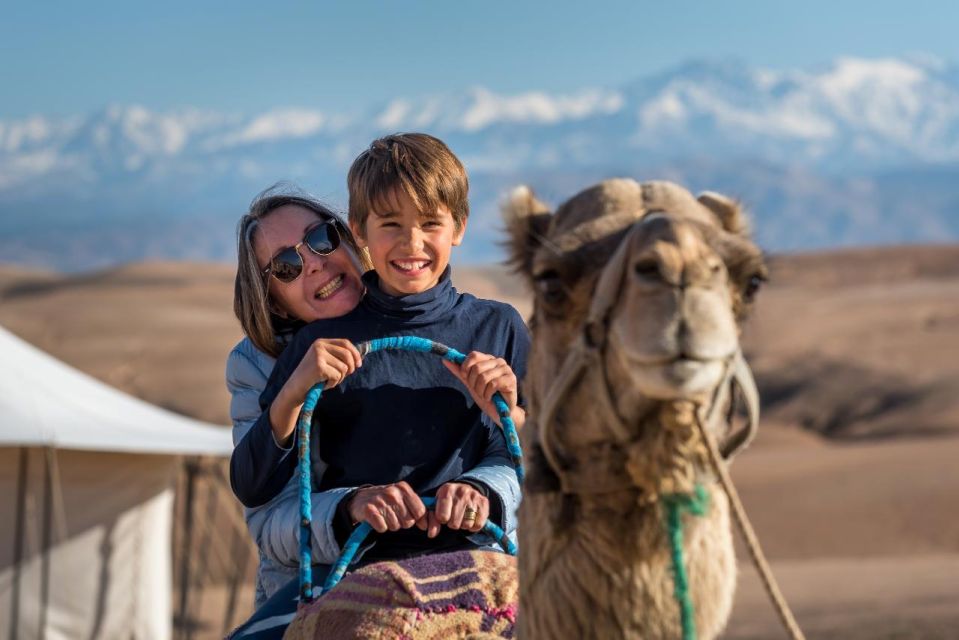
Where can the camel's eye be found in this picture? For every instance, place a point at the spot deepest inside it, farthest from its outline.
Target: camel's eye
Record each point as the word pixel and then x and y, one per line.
pixel 752 287
pixel 550 288
pixel 647 268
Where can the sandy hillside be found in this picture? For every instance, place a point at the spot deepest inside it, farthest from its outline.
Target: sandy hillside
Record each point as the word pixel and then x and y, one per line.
pixel 852 483
pixel 160 331
pixel 860 344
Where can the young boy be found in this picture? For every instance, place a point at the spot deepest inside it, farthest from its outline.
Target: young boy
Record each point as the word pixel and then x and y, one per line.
pixel 402 425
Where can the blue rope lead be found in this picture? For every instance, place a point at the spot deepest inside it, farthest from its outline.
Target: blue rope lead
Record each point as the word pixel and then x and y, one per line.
pixel 676 505
pixel 306 490
pixel 405 343
pixel 363 530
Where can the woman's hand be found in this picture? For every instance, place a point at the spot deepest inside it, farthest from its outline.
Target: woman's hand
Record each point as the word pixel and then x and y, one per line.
pixel 389 507
pixel 328 361
pixel 453 500
pixel 483 375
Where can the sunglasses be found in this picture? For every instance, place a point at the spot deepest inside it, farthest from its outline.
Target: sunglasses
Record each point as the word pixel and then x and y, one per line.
pixel 287 263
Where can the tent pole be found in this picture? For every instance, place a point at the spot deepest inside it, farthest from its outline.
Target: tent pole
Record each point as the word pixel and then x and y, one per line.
pixel 47 543
pixel 242 556
pixel 22 470
pixel 204 546
pixel 190 468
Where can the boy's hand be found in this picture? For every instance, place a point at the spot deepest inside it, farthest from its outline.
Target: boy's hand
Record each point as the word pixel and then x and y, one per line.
pixel 455 501
pixel 328 361
pixel 483 375
pixel 389 507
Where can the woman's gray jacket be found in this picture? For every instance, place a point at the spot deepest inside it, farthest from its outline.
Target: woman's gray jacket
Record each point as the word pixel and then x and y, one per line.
pixel 275 525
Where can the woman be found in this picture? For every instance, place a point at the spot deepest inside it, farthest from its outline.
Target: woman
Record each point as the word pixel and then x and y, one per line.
pixel 274 295
pixel 299 263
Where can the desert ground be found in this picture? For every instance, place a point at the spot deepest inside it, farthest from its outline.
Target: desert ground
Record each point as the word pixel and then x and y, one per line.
pixel 852 484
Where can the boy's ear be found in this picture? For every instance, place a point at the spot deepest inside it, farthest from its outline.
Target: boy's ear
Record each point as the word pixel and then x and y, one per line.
pixel 527 222
pixel 458 235
pixel 358 233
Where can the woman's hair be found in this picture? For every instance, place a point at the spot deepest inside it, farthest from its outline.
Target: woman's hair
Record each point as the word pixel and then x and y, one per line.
pixel 251 300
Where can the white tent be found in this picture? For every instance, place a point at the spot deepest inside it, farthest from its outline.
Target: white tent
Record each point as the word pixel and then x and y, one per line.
pixel 85 528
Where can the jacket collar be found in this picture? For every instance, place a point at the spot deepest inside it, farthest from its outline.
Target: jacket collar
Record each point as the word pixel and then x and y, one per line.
pixel 417 308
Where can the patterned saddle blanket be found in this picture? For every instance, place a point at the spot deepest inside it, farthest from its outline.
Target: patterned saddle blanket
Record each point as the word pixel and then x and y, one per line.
pixel 464 594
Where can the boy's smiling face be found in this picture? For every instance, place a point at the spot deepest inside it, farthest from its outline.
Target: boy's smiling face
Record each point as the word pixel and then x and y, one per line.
pixel 409 249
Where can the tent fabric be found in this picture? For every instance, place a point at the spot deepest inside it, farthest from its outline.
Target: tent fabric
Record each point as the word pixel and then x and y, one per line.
pixel 108 570
pixel 86 529
pixel 46 403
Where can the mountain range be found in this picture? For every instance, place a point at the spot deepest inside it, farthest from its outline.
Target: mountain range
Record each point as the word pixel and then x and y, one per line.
pixel 855 152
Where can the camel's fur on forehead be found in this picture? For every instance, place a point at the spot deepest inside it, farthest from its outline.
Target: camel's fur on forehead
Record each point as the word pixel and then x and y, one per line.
pixel 601 212
pixel 621 202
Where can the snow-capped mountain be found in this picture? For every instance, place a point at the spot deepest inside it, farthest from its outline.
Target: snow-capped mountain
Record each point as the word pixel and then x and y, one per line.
pixel 859 151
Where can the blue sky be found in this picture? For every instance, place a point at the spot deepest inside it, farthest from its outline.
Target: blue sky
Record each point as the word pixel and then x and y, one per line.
pixel 62 57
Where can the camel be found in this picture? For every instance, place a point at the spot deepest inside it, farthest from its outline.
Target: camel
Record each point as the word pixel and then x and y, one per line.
pixel 640 292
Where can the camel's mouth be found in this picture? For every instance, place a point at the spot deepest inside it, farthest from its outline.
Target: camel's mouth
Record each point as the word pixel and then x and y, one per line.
pixel 685 368
pixel 686 363
pixel 678 378
pixel 670 358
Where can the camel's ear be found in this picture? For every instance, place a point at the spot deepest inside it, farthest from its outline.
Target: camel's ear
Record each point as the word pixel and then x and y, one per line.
pixel 527 220
pixel 728 211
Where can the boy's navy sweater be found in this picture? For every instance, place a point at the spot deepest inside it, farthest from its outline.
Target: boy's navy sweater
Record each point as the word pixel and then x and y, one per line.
pixel 402 415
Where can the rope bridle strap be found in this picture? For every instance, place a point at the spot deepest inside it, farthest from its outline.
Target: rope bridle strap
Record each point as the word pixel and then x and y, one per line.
pixel 749 535
pixel 304 468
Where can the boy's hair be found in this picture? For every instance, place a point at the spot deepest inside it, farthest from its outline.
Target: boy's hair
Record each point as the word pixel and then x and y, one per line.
pixel 252 302
pixel 423 166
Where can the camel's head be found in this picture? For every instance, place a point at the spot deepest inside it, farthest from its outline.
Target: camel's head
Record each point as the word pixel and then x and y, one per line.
pixel 662 278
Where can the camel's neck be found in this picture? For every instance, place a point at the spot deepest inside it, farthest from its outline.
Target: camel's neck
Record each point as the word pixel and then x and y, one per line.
pixel 665 455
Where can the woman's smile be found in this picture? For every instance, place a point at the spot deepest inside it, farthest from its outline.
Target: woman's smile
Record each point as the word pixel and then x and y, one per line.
pixel 330 288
